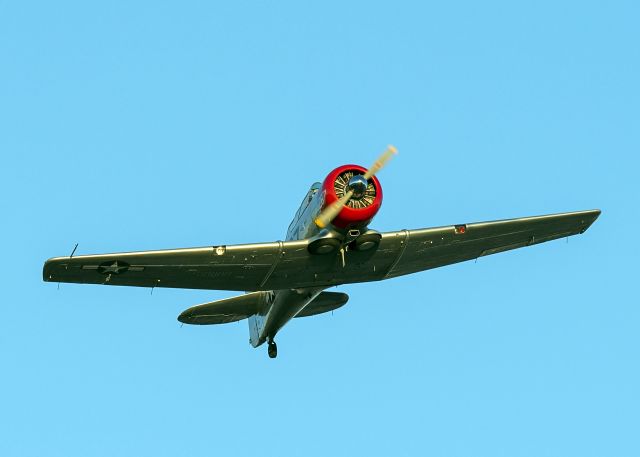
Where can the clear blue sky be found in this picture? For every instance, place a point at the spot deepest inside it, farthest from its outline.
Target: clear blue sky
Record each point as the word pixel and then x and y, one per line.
pixel 146 125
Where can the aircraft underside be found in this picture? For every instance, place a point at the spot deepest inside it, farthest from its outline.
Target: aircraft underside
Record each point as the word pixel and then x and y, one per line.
pixel 328 243
pixel 286 305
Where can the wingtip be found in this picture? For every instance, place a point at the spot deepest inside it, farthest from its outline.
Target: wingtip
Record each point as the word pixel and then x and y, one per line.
pixel 49 266
pixel 591 213
pixel 46 275
pixel 595 213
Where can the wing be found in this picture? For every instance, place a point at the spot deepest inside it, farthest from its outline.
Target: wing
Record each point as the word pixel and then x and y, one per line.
pixel 245 267
pixel 431 248
pixel 287 265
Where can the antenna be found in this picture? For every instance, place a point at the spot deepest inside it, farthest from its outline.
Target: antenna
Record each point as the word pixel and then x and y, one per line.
pixel 74 250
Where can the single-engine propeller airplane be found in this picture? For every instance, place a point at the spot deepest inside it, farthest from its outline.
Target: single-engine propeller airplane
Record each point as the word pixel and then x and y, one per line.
pixel 328 243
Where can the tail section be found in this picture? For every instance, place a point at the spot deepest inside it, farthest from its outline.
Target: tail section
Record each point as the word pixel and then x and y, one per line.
pixel 256 327
pixel 261 311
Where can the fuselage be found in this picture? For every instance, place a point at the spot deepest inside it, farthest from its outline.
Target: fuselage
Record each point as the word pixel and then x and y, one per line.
pixel 286 304
pixel 325 237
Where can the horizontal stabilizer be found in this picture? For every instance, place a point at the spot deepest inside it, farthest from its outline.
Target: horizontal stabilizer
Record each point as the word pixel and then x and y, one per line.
pixel 226 310
pixel 323 303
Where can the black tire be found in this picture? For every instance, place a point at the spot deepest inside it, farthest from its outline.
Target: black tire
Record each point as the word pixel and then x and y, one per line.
pixel 323 246
pixel 272 350
pixel 367 241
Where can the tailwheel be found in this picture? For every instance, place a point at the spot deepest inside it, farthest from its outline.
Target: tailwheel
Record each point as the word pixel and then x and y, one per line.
pixel 272 350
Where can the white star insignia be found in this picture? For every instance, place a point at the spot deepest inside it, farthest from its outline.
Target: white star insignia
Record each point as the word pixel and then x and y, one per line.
pixel 114 268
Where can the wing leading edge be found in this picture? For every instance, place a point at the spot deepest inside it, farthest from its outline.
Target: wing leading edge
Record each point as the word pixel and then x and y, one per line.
pixel 287 265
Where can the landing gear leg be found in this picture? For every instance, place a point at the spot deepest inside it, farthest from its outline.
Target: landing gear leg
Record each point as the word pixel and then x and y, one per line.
pixel 272 349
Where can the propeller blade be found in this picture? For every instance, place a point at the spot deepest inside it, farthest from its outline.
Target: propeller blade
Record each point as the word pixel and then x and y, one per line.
pixel 331 211
pixel 381 162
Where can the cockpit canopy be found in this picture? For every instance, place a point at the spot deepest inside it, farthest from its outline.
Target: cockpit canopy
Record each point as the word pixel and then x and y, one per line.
pixel 315 188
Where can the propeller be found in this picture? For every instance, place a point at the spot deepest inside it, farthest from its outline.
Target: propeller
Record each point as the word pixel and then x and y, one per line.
pixel 331 211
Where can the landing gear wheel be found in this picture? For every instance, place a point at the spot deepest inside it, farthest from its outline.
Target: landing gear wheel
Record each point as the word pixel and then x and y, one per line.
pixel 367 241
pixel 323 246
pixel 272 350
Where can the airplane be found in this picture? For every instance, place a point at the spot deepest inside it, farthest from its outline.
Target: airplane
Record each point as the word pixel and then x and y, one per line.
pixel 328 243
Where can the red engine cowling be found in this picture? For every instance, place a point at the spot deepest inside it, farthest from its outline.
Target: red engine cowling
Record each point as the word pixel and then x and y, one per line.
pixel 358 212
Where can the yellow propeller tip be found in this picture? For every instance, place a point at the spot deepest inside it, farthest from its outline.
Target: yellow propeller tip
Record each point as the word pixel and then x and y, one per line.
pixel 319 223
pixel 393 149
